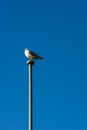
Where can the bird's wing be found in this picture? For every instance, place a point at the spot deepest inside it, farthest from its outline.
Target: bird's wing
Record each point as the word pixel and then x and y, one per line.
pixel 33 53
pixel 36 56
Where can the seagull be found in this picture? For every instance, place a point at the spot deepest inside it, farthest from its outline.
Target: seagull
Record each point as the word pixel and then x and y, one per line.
pixel 31 54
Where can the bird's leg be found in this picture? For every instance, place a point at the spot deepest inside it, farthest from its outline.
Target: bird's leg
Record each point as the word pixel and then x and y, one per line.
pixel 30 59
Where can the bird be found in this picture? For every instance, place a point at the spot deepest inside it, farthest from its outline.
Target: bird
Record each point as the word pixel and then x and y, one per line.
pixel 31 55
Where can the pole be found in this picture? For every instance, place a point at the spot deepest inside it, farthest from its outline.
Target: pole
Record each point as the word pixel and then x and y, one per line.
pixel 30 126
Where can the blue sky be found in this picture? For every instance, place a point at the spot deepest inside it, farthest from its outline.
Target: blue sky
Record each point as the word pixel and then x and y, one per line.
pixel 56 30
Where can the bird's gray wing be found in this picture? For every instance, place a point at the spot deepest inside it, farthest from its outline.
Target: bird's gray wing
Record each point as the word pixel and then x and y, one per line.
pixel 33 53
pixel 36 56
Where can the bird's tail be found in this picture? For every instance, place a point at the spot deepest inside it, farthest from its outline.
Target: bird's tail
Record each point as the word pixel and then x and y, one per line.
pixel 38 58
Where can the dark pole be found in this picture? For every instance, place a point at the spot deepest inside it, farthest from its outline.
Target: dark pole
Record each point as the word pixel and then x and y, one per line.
pixel 30 125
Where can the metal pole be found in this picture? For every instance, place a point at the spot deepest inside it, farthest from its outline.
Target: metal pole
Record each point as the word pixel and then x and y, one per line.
pixel 30 126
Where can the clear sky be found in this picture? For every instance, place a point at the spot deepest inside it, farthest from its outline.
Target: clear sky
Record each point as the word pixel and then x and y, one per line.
pixel 56 30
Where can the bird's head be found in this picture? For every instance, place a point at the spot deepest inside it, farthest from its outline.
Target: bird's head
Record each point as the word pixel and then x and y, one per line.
pixel 26 49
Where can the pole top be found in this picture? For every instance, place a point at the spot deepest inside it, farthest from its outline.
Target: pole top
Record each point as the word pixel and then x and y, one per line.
pixel 30 62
